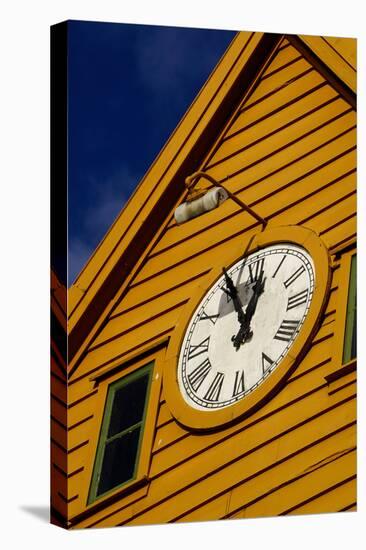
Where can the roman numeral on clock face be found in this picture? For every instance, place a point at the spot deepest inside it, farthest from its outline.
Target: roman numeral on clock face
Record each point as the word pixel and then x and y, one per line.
pixel 239 383
pixel 213 392
pixel 198 375
pixel 297 299
pixel 255 269
pixel 202 347
pixel 266 362
pixel 278 267
pixel 294 276
pixel 211 318
pixel 287 330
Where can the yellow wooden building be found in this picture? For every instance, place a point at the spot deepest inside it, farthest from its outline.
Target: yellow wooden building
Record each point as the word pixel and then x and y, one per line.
pixel 152 426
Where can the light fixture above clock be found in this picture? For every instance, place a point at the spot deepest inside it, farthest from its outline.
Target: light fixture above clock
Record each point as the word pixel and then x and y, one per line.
pixel 200 201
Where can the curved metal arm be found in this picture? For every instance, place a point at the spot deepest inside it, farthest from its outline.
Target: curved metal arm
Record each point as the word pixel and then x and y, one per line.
pixel 192 180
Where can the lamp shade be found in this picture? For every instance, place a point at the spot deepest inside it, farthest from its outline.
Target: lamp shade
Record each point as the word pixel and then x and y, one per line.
pixel 210 200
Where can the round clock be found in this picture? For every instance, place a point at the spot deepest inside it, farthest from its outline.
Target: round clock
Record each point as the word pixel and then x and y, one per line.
pixel 244 332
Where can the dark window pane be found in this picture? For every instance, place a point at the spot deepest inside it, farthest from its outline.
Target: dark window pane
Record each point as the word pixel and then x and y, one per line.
pixel 119 461
pixel 354 335
pixel 349 350
pixel 128 405
pixel 354 340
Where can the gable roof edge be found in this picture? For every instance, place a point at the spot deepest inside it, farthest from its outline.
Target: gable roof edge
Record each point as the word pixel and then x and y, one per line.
pixel 345 71
pixel 163 184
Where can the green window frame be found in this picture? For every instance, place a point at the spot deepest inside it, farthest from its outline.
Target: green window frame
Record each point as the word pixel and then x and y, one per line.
pixel 121 433
pixel 350 335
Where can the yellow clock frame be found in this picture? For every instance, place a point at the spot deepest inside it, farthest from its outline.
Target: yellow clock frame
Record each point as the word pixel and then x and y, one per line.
pixel 213 419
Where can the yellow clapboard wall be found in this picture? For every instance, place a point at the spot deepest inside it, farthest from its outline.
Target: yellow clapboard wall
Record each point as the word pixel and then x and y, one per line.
pixel 58 401
pixel 288 150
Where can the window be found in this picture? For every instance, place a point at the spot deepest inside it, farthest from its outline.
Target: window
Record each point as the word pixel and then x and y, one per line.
pixel 121 432
pixel 350 336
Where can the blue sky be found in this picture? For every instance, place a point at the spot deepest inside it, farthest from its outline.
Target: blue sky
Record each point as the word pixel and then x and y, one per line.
pixel 129 85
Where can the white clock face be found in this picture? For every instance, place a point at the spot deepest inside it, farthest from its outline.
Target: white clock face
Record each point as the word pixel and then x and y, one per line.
pixel 244 326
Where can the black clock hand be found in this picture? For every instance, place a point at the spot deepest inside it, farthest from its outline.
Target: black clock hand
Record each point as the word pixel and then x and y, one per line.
pixel 231 289
pixel 252 305
pixel 233 293
pixel 245 332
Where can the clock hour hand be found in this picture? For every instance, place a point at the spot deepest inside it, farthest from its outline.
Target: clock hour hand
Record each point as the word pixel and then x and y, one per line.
pixel 245 331
pixel 232 291
pixel 252 305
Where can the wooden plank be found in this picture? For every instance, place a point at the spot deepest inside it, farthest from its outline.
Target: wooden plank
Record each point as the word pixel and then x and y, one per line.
pixel 59 432
pixel 79 456
pixel 304 194
pixel 58 456
pixel 338 498
pixel 351 508
pixel 121 325
pixel 74 485
pixel 85 408
pixel 305 106
pixel 101 355
pixel 343 209
pixel 216 508
pixel 177 293
pixel 278 80
pixel 341 196
pixel 342 231
pixel 85 430
pixel 58 366
pixel 272 504
pixel 323 50
pixel 78 507
pixel 293 135
pixel 304 209
pixel 279 99
pixel 91 375
pixel 58 386
pixel 313 97
pixel 345 47
pixel 57 502
pixel 284 44
pixel 305 487
pixel 318 355
pixel 58 409
pixel 340 383
pixel 283 57
pixel 164 415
